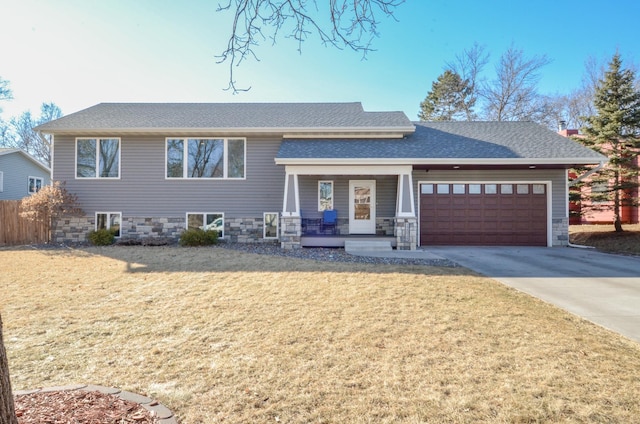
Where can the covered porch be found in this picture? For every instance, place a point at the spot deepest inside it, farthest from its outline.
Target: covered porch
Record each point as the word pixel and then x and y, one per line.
pixel 325 206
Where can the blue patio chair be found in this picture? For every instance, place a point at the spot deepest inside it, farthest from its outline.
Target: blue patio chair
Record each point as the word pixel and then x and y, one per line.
pixel 330 220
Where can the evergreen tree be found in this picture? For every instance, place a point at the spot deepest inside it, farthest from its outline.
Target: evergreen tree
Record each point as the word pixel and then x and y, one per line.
pixel 615 132
pixel 449 99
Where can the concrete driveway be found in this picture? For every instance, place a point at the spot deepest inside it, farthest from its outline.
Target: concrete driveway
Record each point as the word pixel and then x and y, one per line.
pixel 599 287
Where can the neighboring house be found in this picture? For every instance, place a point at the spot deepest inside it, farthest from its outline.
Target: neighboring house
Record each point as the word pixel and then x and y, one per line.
pixel 21 174
pixel 588 213
pixel 266 172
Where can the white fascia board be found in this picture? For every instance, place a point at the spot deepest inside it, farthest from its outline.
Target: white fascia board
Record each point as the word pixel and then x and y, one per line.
pixel 420 161
pixel 285 132
pixel 346 133
pixel 348 169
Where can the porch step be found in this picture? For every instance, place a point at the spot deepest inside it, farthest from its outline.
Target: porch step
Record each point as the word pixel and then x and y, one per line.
pixel 367 246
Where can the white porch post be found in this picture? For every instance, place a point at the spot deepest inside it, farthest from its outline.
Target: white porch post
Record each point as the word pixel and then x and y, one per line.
pixel 290 221
pixel 406 221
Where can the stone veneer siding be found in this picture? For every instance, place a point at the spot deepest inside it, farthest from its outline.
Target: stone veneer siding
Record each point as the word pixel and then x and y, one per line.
pixel 72 229
pixel 245 230
pixel 406 233
pixel 290 232
pixel 560 231
pixel 76 229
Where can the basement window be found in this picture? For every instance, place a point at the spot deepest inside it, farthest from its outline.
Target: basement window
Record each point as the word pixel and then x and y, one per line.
pixel 109 221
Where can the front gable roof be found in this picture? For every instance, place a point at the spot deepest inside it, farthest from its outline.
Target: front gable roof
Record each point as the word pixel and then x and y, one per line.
pixel 26 156
pixel 218 118
pixel 448 143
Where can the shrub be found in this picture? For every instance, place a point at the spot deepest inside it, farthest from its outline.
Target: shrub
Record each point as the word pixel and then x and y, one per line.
pixel 102 237
pixel 198 237
pixel 51 201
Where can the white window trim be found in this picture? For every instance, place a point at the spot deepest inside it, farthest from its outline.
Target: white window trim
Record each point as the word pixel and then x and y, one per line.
pixel 264 225
pixel 109 214
pixel 29 178
pixel 225 158
pixel 333 194
pixel 186 219
pixel 97 177
pixel 1 181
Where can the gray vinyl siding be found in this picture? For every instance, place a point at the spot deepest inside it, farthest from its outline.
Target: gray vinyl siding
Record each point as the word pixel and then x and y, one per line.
pixel 558 178
pixel 16 170
pixel 143 190
pixel 386 188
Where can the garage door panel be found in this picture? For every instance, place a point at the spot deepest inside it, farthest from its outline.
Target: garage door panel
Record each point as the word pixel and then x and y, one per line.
pixel 484 219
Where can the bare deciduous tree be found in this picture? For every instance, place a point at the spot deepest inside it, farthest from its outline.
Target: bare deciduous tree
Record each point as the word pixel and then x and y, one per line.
pixel 469 65
pixel 20 134
pixel 512 95
pixel 5 91
pixel 352 24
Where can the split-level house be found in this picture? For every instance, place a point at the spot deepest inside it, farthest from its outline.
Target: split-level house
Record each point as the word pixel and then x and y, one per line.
pixel 312 174
pixel 21 174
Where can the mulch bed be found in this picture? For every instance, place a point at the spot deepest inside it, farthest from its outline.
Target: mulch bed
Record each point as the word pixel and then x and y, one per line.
pixel 79 407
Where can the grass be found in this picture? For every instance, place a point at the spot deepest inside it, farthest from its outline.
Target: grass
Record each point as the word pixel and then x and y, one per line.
pixel 604 238
pixel 222 336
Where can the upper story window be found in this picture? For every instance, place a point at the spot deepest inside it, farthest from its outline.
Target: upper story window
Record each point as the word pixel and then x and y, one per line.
pixel 97 158
pixel 205 158
pixel 34 185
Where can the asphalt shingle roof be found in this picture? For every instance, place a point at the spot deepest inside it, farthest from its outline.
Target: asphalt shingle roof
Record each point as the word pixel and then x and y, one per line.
pixel 448 140
pixel 149 116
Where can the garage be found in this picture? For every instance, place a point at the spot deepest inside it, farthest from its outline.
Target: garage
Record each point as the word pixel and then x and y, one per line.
pixel 498 214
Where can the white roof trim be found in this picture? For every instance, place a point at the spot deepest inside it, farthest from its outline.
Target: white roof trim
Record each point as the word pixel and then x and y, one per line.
pixel 289 132
pixel 436 161
pixel 348 169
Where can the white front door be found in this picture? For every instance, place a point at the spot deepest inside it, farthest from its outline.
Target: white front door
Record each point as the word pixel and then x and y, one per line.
pixel 362 207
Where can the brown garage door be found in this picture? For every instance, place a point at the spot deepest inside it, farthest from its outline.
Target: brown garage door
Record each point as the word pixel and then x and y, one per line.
pixel 483 214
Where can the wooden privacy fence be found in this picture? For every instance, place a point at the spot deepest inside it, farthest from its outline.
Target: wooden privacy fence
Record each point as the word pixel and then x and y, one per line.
pixel 16 230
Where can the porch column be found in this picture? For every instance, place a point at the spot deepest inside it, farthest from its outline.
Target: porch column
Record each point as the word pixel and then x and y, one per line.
pixel 406 222
pixel 290 221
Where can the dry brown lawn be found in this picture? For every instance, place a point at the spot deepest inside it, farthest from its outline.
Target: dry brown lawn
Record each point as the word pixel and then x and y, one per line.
pixel 223 336
pixel 604 238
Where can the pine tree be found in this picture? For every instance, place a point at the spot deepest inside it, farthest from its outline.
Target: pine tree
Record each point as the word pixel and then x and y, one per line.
pixel 449 99
pixel 615 132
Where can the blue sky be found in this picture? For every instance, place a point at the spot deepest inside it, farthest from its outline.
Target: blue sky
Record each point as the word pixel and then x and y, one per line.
pixel 79 53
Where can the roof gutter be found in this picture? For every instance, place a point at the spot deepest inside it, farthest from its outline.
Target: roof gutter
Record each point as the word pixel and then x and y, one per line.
pixel 588 173
pixel 532 162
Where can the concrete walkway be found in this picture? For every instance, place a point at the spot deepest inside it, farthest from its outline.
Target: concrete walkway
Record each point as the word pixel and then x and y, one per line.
pixel 602 288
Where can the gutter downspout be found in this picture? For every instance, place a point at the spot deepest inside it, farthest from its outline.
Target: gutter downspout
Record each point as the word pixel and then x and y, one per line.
pixel 576 181
pixel 588 173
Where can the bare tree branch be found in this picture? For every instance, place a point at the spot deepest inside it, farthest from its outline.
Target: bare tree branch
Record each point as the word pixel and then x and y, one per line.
pixel 469 65
pixel 512 94
pixel 352 25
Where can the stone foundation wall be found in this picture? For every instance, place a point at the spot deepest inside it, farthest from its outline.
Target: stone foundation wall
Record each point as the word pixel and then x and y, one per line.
pixel 139 228
pixel 385 226
pixel 245 230
pixel 75 229
pixel 72 230
pixel 560 231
